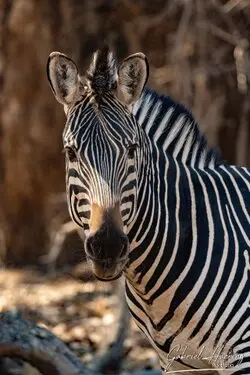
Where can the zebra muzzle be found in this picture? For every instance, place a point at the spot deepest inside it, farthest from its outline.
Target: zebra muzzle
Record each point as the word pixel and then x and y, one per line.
pixel 107 246
pixel 107 253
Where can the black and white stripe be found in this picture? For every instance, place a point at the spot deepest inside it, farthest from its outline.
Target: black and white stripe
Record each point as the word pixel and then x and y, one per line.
pixel 100 144
pixel 187 216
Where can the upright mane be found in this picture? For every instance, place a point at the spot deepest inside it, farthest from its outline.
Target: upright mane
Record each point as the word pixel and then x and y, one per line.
pixel 171 125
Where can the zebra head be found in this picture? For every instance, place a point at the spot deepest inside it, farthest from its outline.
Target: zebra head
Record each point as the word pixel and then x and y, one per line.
pixel 102 142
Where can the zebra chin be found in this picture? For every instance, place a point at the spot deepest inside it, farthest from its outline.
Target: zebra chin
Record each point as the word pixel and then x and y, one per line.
pixel 107 272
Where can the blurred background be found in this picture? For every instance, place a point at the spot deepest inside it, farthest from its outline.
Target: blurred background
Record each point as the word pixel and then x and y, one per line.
pixel 199 53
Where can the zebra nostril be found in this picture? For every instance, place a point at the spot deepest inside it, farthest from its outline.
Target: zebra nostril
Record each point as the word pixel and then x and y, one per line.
pixel 101 249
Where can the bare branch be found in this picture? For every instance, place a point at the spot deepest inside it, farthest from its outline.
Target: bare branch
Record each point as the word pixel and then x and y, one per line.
pixel 242 139
pixel 240 56
pixel 145 22
pixel 232 4
pixel 226 17
pixel 220 33
pixel 182 28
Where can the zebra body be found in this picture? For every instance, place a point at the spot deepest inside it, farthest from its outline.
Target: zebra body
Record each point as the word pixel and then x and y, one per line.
pixel 193 273
pixel 185 212
pixel 188 280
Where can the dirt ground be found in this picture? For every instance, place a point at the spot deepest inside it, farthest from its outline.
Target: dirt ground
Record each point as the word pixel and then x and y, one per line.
pixel 81 311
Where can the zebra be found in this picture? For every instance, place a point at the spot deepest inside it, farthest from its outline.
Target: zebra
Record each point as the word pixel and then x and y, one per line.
pixel 159 205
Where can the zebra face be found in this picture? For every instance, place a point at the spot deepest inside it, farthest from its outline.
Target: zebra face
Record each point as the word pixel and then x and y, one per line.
pixel 102 144
pixel 102 160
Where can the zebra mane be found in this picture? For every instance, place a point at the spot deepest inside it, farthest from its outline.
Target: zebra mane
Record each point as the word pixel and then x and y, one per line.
pixel 102 72
pixel 171 125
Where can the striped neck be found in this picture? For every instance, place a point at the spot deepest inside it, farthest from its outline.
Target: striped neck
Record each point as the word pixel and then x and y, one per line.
pixel 171 140
pixel 172 129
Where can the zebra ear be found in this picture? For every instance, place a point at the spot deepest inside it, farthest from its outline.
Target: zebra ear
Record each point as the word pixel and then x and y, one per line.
pixel 132 77
pixel 63 78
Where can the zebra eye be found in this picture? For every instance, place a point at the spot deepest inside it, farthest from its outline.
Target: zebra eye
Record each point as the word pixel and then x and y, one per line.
pixel 131 150
pixel 71 154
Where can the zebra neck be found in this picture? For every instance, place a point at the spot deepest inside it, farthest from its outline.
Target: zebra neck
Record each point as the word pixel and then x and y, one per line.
pixel 172 129
pixel 163 196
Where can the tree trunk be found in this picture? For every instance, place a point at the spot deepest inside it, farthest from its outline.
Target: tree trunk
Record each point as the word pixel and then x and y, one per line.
pixel 31 127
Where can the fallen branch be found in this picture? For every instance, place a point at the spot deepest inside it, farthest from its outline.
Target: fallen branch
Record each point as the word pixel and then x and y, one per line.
pixel 23 339
pixel 20 338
